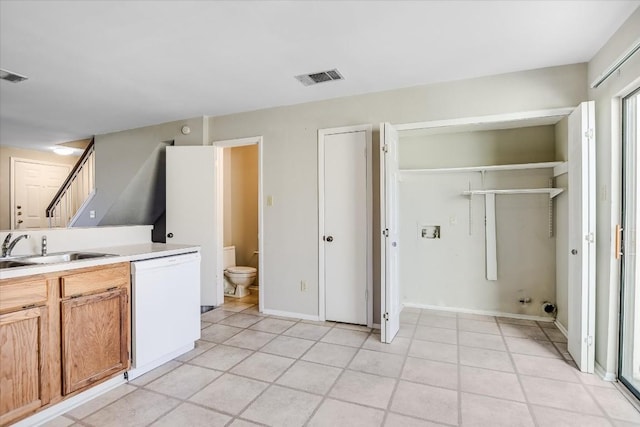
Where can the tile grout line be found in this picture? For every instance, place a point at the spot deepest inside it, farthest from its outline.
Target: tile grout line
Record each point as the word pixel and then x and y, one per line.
pixel 528 404
pixel 269 383
pixel 404 362
pixel 227 371
pixel 325 396
pixel 222 373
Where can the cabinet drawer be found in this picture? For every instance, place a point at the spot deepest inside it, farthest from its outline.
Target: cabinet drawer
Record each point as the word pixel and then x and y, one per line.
pixel 95 280
pixel 18 294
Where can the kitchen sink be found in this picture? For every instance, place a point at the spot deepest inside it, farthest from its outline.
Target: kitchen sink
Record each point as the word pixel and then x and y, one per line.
pixel 56 258
pixel 62 257
pixel 12 263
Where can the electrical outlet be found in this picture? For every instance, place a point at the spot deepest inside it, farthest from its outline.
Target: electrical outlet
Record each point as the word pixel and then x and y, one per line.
pixel 303 286
pixel 92 214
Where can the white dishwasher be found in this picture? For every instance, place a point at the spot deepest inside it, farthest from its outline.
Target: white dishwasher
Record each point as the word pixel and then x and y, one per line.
pixel 165 310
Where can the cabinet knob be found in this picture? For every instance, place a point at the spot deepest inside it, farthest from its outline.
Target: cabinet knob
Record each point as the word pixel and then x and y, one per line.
pixel 574 252
pixel 170 235
pixel 329 239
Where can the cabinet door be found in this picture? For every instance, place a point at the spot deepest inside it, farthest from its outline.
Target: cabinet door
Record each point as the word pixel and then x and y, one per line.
pixel 95 337
pixel 23 363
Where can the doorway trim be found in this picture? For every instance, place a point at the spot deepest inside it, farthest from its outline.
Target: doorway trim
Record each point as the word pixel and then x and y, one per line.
pixel 12 182
pixel 322 133
pixel 218 201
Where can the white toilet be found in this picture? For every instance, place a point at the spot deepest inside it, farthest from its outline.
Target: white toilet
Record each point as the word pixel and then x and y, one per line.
pixel 237 279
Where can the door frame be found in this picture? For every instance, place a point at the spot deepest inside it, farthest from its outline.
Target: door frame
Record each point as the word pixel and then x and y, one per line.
pixel 218 201
pixel 12 182
pixel 322 133
pixel 619 251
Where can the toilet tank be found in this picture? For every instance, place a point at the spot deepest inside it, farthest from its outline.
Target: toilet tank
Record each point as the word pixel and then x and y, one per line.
pixel 229 256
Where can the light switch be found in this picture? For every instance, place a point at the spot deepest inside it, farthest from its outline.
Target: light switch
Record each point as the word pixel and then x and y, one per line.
pixel 269 200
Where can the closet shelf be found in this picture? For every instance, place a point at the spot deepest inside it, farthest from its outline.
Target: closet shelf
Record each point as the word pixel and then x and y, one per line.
pixel 522 166
pixel 552 192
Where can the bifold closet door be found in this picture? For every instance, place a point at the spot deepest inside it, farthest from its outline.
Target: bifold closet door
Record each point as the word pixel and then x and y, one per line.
pixel 345 227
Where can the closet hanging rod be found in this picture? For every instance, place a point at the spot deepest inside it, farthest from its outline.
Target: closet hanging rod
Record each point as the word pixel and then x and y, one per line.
pixel 552 192
pixel 522 166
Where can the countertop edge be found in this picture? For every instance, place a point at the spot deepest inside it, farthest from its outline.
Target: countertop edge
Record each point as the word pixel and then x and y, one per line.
pixel 125 253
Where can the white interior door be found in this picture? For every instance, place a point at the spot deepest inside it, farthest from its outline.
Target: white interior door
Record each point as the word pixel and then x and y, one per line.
pixel 390 263
pixel 345 242
pixel 191 214
pixel 34 185
pixel 581 308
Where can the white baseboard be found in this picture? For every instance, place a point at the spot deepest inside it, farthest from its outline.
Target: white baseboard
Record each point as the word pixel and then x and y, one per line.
pixel 137 371
pixel 562 329
pixel 482 312
pixel 602 373
pixel 73 402
pixel 291 315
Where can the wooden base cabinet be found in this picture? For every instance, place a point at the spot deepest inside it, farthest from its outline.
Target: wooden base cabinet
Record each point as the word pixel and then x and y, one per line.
pixel 24 352
pixel 60 334
pixel 95 338
pixel 24 383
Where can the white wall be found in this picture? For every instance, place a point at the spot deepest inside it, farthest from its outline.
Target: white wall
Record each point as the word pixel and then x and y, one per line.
pixel 477 148
pixel 80 239
pixel 290 158
pixel 121 155
pixel 451 271
pixel 608 142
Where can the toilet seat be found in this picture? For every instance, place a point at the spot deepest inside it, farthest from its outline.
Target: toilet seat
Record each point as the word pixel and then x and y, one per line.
pixel 241 270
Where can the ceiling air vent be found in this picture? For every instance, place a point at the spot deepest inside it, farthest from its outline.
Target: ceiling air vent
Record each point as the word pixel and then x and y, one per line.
pixel 320 77
pixel 11 77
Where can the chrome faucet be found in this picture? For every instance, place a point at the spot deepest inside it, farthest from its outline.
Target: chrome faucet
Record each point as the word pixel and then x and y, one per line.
pixel 8 245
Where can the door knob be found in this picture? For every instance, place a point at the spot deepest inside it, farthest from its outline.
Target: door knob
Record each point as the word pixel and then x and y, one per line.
pixel 329 239
pixel 20 221
pixel 574 251
pixel 170 235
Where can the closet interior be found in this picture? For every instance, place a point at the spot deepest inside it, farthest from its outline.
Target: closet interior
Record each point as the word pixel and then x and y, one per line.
pixel 484 217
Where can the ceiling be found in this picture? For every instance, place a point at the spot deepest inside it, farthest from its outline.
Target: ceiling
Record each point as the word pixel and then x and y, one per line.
pixel 101 66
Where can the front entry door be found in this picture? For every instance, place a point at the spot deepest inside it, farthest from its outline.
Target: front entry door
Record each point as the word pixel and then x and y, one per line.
pixel 345 246
pixel 34 185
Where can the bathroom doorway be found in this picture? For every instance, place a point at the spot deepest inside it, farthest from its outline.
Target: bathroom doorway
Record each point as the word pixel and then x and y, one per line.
pixel 238 206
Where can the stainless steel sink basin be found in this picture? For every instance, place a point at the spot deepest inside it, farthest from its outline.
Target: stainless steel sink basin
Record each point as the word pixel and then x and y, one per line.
pixel 61 257
pixel 12 263
pixel 50 259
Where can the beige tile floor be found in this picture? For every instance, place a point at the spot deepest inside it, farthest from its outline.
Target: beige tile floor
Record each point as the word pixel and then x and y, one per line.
pixel 442 369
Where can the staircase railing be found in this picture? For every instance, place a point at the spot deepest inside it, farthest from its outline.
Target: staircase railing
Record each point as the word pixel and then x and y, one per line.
pixel 75 192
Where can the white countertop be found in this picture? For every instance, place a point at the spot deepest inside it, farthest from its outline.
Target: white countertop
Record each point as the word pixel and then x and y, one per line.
pixel 123 253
